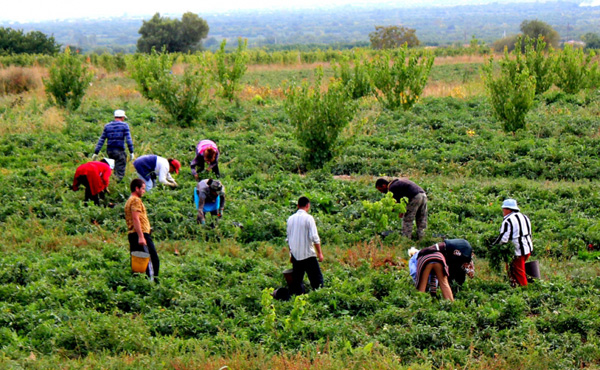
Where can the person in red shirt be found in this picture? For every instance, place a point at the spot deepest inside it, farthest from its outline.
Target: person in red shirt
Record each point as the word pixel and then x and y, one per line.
pixel 95 177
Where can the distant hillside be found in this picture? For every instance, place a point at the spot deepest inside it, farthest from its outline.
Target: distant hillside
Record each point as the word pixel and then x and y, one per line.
pixel 435 25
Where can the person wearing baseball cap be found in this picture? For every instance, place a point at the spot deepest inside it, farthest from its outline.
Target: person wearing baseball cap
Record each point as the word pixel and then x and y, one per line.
pixel 95 177
pixel 516 228
pixel 115 133
pixel 151 167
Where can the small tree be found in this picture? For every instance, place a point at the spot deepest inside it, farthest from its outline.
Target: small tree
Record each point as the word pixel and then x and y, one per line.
pixel 512 92
pixel 393 37
pixel 230 70
pixel 173 34
pixel 319 117
pixel 68 80
pixel 539 63
pixel 402 79
pixel 592 40
pixel 145 70
pixel 535 28
pixel 355 77
pixel 575 70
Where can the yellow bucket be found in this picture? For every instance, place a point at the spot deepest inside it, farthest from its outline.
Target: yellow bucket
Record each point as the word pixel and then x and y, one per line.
pixel 139 261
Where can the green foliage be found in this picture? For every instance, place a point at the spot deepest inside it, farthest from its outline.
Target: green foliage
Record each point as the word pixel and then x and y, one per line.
pixel 172 34
pixel 231 68
pixel 33 42
pixel 319 117
pixel 536 29
pixel 385 210
pixel 293 323
pixel 592 40
pixel 391 37
pixel 356 78
pixel 575 70
pixel 499 255
pixel 67 81
pixel 400 83
pixel 146 70
pixel 539 62
pixel 268 310
pixel 512 92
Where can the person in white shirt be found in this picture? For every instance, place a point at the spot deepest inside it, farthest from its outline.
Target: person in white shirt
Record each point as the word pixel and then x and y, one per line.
pixel 305 248
pixel 150 167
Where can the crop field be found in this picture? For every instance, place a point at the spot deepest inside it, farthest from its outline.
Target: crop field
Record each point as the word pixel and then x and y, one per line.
pixel 68 299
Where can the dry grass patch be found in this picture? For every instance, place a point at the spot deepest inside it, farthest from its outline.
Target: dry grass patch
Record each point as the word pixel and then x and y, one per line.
pixel 17 80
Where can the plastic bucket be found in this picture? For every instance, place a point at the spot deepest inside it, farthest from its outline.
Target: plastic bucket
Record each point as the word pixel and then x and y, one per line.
pixel 287 274
pixel 139 261
pixel 532 268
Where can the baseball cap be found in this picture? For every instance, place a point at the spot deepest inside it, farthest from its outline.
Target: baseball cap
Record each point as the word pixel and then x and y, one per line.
pixel 110 163
pixel 176 165
pixel 120 113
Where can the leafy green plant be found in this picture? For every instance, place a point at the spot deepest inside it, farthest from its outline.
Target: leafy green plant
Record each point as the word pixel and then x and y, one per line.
pixel 539 62
pixel 319 117
pixel 147 69
pixel 383 211
pixel 512 92
pixel 231 68
pixel 499 255
pixel 400 79
pixel 268 310
pixel 293 323
pixel 575 70
pixel 68 80
pixel 355 77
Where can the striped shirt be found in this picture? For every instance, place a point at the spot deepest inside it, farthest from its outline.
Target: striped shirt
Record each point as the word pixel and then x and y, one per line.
pixel 302 235
pixel 516 227
pixel 115 133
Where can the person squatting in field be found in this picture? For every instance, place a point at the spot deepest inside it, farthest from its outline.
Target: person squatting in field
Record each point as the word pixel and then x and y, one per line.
pixel 150 167
pixel 454 259
pixel 138 227
pixel 305 248
pixel 95 177
pixel 115 133
pixel 516 228
pixel 209 197
pixel 416 207
pixel 207 152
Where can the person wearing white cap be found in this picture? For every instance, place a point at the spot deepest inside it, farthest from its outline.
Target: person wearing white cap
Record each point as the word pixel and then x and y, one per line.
pixel 516 228
pixel 95 176
pixel 116 133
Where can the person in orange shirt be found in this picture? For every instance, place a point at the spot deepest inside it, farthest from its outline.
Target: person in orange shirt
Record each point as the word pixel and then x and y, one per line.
pixel 95 177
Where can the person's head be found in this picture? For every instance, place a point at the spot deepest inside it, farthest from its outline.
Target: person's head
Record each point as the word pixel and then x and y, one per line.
pixel 174 165
pixel 304 203
pixel 120 115
pixel 210 155
pixel 137 187
pixel 509 206
pixel 215 187
pixel 109 162
pixel 382 185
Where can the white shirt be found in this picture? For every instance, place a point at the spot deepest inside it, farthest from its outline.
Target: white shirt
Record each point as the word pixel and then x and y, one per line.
pixel 516 227
pixel 162 170
pixel 302 235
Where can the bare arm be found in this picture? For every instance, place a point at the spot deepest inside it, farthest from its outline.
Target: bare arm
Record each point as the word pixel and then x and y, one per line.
pixel 137 226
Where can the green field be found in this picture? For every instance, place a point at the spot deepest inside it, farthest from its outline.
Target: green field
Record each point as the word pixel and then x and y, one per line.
pixel 68 300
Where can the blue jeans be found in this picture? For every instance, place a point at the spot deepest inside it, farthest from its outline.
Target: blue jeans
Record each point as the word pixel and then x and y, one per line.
pixel 120 162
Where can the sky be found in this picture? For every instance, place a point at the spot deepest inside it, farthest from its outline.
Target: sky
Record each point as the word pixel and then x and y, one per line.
pixel 39 10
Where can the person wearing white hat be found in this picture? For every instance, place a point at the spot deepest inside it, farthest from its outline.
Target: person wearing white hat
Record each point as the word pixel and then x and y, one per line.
pixel 95 177
pixel 516 228
pixel 116 133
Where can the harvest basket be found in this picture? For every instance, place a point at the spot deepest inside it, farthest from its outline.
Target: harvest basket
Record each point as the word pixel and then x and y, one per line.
pixel 139 261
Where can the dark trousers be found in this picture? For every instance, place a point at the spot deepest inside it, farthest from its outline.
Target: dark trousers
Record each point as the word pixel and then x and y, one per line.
pixel 200 164
pixel 120 162
pixel 134 246
pixel 82 180
pixel 310 266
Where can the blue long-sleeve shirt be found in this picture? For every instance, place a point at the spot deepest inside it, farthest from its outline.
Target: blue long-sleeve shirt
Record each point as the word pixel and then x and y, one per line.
pixel 115 133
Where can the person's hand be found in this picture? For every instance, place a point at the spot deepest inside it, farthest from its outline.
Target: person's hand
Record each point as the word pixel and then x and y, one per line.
pixel 94 157
pixel 142 240
pixel 401 215
pixel 196 177
pixel 200 220
pixel 321 257
pixel 220 214
pixel 132 157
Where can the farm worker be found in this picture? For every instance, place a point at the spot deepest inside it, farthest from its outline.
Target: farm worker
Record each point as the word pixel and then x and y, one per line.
pixel 458 256
pixel 116 132
pixel 206 153
pixel 150 167
pixel 138 226
pixel 428 270
pixel 516 228
pixel 209 197
pixel 416 207
pixel 305 248
pixel 95 176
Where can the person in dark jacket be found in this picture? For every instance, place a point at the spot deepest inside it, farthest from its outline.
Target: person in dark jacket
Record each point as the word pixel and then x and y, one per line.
pixel 416 207
pixel 116 133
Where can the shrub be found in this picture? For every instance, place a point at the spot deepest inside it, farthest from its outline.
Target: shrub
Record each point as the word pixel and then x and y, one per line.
pixel 355 78
pixel 147 69
pixel 400 84
pixel 575 70
pixel 539 64
pixel 16 80
pixel 512 92
pixel 68 81
pixel 229 71
pixel 319 117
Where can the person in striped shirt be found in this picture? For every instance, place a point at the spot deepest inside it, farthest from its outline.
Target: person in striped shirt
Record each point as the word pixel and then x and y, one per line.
pixel 305 248
pixel 516 228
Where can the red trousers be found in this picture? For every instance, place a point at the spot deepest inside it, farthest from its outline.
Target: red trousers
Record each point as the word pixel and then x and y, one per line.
pixel 517 270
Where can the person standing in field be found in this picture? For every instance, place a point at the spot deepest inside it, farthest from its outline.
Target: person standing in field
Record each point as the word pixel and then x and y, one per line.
pixel 207 155
pixel 416 207
pixel 95 177
pixel 209 197
pixel 305 248
pixel 116 133
pixel 151 167
pixel 138 227
pixel 516 228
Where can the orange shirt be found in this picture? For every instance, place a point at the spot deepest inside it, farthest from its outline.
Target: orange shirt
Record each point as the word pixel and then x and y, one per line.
pixel 135 204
